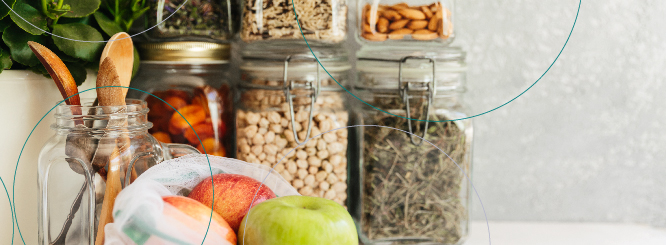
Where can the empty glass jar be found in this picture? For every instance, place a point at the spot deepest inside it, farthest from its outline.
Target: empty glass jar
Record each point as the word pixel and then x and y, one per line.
pixel 91 155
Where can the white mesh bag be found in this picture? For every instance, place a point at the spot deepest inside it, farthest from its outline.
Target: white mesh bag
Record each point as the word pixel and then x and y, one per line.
pixel 138 212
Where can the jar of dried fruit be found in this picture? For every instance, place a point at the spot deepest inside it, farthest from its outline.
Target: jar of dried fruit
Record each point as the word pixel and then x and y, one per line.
pixel 321 22
pixel 286 102
pixel 192 20
pixel 405 189
pixel 188 81
pixel 394 21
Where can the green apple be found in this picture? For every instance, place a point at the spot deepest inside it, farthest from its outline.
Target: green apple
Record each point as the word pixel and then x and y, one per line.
pixel 297 220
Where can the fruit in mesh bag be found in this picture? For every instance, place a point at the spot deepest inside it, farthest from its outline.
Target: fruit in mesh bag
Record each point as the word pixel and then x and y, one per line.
pixel 201 215
pixel 233 195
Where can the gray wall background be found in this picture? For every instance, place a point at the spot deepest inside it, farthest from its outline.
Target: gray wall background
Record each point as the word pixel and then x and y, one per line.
pixel 586 143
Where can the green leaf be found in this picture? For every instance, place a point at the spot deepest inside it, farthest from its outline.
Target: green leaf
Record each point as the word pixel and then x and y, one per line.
pixel 78 72
pixel 87 51
pixel 17 41
pixel 137 61
pixel 4 11
pixel 5 60
pixel 108 26
pixel 81 8
pixel 28 13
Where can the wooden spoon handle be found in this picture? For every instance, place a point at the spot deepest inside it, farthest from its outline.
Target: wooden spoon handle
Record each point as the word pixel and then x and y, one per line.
pixel 113 187
pixel 58 72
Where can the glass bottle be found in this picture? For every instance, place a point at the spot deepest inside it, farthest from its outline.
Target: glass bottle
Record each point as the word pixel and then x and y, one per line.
pixel 398 22
pixel 190 77
pixel 286 98
pixel 88 150
pixel 408 191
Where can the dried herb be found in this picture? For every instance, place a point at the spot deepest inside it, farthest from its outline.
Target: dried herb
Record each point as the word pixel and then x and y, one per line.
pixel 204 18
pixel 414 193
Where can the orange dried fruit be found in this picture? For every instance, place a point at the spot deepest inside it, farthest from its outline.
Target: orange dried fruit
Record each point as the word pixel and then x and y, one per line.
pixel 162 137
pixel 204 130
pixel 194 114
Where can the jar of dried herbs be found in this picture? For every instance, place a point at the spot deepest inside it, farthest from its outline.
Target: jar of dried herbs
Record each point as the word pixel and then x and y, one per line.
pixel 407 190
pixel 192 20
pixel 286 99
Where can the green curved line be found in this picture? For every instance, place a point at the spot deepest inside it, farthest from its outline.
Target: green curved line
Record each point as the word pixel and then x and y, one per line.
pixel 421 120
pixel 12 199
pixel 10 207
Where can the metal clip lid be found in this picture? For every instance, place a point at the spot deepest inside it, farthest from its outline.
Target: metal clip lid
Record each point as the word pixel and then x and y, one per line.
pixel 404 93
pixel 288 86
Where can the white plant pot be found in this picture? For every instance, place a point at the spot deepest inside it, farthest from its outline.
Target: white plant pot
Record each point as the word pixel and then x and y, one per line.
pixel 26 98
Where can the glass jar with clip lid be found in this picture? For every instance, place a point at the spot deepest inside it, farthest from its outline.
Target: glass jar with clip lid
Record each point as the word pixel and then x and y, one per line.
pixel 407 190
pixel 286 98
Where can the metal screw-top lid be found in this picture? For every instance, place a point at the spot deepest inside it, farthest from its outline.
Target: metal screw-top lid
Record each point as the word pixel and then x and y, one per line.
pixel 186 52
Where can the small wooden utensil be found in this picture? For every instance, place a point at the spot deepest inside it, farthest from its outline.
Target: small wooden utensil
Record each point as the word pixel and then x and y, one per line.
pixel 107 150
pixel 58 71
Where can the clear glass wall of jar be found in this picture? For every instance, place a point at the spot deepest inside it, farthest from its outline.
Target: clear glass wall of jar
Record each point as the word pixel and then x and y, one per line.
pixel 275 115
pixel 323 22
pixel 192 78
pixel 407 190
pixel 87 148
pixel 396 22
pixel 196 20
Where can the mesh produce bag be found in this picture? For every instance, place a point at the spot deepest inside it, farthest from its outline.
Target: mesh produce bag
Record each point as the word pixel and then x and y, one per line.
pixel 139 212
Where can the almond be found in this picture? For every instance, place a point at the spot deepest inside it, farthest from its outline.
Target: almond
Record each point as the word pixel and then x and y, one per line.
pixel 417 24
pixel 424 35
pixel 433 24
pixel 398 24
pixel 377 37
pixel 391 15
pixel 368 17
pixel 412 14
pixel 427 12
pixel 367 28
pixel 399 34
pixel 382 25
pixel 445 33
pixel 400 6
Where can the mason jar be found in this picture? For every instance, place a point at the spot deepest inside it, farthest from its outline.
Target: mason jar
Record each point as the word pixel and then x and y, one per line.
pixel 91 155
pixel 398 22
pixel 188 79
pixel 407 191
pixel 322 22
pixel 192 20
pixel 286 102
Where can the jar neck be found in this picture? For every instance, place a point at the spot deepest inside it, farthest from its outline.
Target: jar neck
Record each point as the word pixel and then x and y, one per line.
pixel 129 119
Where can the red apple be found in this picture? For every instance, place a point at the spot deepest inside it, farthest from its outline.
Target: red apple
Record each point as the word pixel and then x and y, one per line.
pixel 233 195
pixel 201 213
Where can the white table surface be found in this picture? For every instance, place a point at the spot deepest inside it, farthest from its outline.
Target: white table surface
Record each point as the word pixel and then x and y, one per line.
pixel 525 233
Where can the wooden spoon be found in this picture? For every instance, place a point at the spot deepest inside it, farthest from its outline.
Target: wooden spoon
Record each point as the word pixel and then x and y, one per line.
pixel 107 150
pixel 58 71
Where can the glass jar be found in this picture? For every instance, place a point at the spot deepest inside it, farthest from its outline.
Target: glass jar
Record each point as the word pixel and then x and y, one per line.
pixel 321 21
pixel 285 100
pixel 394 21
pixel 408 191
pixel 192 78
pixel 88 152
pixel 196 20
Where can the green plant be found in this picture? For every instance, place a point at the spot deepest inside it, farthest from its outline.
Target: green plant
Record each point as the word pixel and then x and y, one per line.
pixel 78 28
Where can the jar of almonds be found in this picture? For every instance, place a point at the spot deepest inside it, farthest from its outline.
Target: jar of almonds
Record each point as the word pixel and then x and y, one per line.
pixel 192 98
pixel 292 116
pixel 394 21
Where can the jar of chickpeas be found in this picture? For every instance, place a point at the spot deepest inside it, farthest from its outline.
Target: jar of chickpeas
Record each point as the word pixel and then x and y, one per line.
pixel 292 116
pixel 191 96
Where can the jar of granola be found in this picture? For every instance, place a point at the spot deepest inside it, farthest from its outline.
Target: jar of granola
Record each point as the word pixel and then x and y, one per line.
pixel 286 102
pixel 192 78
pixel 397 22
pixel 322 22
pixel 192 20
pixel 407 190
